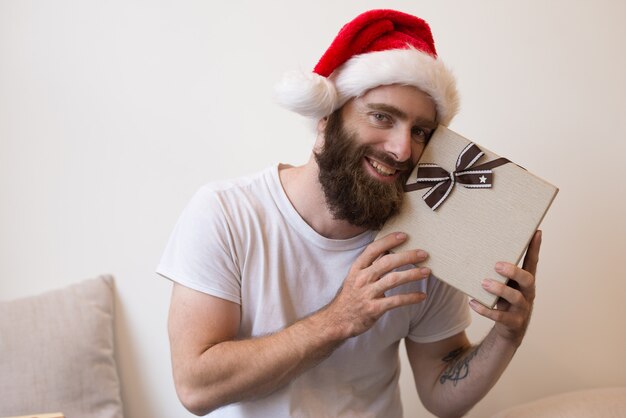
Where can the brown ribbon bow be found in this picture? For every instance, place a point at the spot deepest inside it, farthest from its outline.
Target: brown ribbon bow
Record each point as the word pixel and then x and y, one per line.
pixel 441 182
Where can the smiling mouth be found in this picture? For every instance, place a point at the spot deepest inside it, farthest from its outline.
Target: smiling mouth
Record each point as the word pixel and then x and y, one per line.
pixel 382 169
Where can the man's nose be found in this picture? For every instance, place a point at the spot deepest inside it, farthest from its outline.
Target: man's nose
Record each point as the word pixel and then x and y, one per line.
pixel 399 144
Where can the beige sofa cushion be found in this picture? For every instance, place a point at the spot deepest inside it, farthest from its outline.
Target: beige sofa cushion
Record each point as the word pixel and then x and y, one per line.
pixel 591 403
pixel 57 353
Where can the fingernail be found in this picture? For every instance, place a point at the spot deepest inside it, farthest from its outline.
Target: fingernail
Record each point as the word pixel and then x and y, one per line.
pixel 400 235
pixel 499 267
pixel 425 271
pixel 422 254
pixel 486 283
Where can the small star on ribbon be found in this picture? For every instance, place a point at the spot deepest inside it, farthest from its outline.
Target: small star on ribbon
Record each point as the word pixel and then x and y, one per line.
pixel 482 179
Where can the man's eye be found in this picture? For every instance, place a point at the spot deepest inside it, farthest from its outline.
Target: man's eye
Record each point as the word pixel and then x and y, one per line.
pixel 380 117
pixel 420 135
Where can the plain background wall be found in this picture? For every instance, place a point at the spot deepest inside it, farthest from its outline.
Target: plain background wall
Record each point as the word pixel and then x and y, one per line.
pixel 113 113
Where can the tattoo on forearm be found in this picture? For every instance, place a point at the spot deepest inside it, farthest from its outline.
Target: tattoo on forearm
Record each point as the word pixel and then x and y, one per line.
pixel 458 365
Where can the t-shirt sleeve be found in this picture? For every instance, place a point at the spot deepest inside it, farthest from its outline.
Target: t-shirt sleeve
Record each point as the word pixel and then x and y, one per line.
pixel 200 253
pixel 445 312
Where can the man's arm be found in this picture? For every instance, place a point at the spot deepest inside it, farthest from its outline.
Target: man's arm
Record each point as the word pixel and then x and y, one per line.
pixel 451 375
pixel 211 368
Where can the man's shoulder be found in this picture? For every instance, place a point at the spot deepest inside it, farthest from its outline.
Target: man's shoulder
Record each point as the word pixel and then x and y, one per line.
pixel 245 194
pixel 250 181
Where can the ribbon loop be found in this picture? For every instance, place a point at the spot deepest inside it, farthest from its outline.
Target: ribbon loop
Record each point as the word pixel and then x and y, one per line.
pixel 441 182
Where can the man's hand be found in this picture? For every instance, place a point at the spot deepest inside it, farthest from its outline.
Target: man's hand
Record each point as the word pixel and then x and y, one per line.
pixel 361 300
pixel 513 310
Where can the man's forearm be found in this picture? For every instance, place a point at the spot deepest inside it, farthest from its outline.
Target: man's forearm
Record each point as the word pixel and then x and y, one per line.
pixel 237 370
pixel 469 373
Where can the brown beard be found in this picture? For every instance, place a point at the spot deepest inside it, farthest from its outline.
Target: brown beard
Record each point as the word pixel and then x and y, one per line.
pixel 351 193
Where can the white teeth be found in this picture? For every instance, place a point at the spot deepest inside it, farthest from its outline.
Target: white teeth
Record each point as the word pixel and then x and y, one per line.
pixel 382 169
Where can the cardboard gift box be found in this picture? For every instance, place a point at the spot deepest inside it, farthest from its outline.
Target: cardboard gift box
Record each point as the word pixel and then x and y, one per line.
pixel 469 208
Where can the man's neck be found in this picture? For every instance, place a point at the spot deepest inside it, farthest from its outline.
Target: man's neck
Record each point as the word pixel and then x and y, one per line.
pixel 302 187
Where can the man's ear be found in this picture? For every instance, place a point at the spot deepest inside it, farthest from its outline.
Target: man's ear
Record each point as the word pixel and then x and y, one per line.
pixel 321 128
pixel 321 125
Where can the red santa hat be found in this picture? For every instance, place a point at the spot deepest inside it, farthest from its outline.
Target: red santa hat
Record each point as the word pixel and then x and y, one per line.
pixel 378 47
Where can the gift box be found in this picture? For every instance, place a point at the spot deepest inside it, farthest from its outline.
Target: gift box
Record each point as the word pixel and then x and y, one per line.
pixel 469 208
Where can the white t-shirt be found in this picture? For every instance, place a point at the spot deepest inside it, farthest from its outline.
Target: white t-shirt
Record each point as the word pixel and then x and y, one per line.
pixel 243 241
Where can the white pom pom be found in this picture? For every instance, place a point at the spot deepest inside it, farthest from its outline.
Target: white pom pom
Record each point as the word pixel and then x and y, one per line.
pixel 308 94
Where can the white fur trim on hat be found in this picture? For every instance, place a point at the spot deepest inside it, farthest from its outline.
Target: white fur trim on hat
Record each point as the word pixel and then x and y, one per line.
pixel 315 96
pixel 399 66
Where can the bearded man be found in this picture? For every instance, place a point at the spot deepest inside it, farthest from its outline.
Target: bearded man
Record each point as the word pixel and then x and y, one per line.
pixel 284 304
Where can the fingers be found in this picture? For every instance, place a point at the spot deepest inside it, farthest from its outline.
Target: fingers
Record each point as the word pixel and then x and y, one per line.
pixel 521 290
pixel 514 307
pixel 362 300
pixel 515 323
pixel 378 248
pixel 525 282
pixel 517 296
pixel 395 301
pixel 398 278
pixel 375 262
pixel 509 294
pixel 532 254
pixel 392 261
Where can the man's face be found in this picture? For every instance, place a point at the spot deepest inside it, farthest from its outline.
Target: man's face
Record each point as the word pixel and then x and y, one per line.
pixel 370 147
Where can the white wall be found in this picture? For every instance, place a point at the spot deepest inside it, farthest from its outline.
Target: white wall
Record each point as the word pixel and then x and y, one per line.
pixel 113 113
